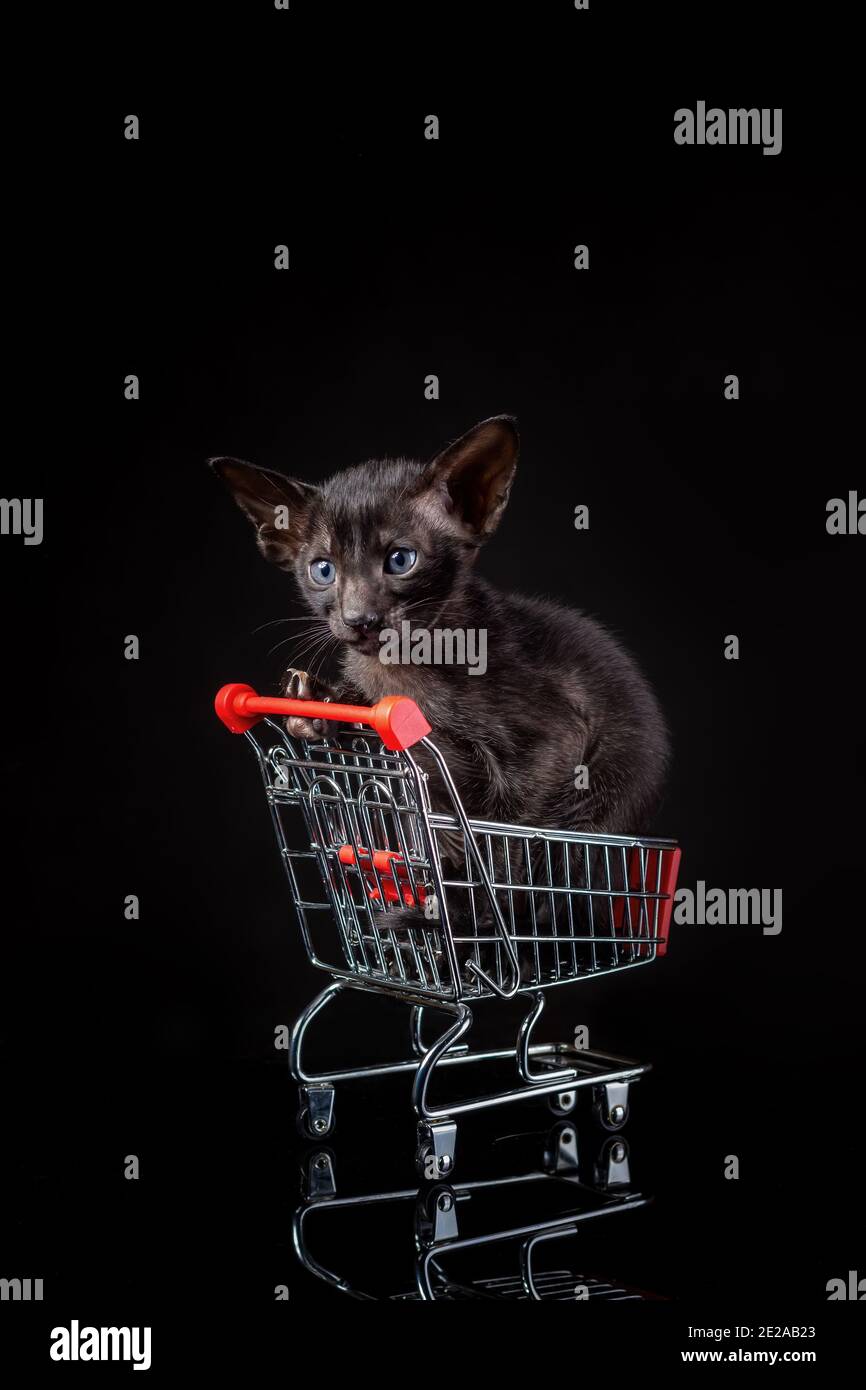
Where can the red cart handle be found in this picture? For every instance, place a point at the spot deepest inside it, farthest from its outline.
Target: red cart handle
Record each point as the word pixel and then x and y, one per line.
pixel 396 719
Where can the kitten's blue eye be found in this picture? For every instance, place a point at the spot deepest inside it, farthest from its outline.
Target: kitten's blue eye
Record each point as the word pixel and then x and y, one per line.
pixel 401 560
pixel 323 572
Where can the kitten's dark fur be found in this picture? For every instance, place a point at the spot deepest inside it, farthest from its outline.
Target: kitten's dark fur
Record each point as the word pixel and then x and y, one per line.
pixel 559 691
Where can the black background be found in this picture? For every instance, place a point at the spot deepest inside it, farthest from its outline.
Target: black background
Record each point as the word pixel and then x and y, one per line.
pixel 411 257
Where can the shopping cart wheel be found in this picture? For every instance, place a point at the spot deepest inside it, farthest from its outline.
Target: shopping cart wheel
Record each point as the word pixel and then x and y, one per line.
pixel 610 1104
pixel 434 1156
pixel 562 1102
pixel 316 1115
pixel 318 1179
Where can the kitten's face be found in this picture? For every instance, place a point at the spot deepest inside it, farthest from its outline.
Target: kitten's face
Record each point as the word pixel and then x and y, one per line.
pixel 386 541
pixel 375 553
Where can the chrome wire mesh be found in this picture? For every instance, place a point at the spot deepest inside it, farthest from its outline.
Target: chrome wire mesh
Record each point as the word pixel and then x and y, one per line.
pixel 555 1285
pixel 410 898
pixel 573 905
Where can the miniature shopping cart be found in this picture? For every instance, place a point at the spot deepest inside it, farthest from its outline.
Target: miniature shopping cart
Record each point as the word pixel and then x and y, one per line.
pixel 399 893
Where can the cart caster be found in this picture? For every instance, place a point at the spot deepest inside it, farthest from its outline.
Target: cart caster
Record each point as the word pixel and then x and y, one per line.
pixel 560 1150
pixel 319 1181
pixel 316 1115
pixel 610 1105
pixel 612 1168
pixel 434 1156
pixel 436 1215
pixel 563 1102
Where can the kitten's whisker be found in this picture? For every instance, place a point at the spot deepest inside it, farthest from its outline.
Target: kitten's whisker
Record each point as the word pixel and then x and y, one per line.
pixel 295 637
pixel 303 638
pixel 415 604
pixel 325 643
pixel 304 618
pixel 309 646
pixel 326 652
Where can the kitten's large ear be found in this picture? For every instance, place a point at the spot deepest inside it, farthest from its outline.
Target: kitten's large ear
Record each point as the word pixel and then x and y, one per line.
pixel 472 478
pixel 276 506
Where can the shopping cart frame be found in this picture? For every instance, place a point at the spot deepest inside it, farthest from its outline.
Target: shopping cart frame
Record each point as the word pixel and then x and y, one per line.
pixel 375 895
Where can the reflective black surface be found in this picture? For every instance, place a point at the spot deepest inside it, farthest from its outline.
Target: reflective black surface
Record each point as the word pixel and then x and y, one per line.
pixel 223 1177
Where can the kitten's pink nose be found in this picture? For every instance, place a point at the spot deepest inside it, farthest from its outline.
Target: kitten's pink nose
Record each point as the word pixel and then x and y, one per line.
pixel 362 622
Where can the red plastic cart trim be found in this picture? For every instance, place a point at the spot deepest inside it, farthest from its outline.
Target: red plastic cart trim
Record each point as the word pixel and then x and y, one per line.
pixel 667 886
pixel 396 719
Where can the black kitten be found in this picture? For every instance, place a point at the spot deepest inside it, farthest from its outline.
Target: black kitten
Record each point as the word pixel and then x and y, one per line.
pixel 395 541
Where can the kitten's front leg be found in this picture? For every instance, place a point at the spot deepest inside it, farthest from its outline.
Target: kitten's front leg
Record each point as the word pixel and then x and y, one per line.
pixel 300 685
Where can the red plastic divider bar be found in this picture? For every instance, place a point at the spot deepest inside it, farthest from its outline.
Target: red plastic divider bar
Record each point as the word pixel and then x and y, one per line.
pixel 393 874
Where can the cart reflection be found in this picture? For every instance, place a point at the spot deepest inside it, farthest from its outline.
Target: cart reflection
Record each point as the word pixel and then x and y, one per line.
pixel 509 1236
